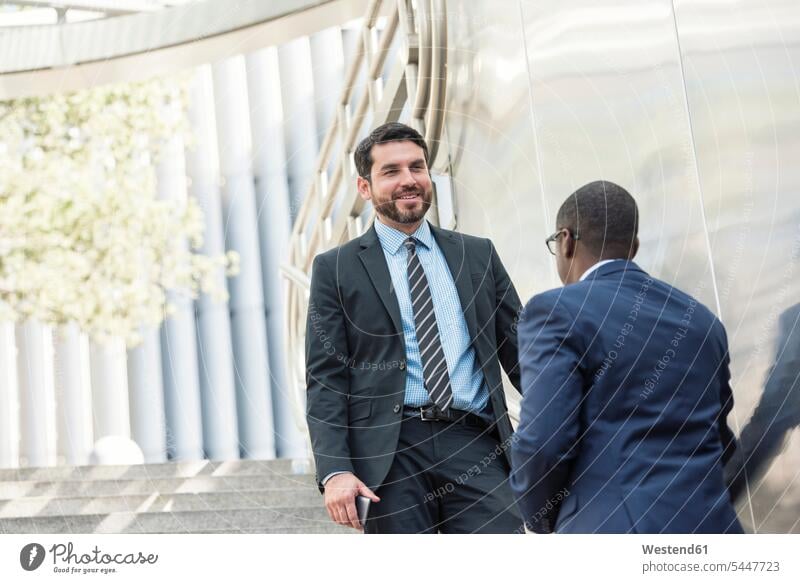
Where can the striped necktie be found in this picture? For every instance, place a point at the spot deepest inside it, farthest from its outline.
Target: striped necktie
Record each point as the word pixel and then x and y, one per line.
pixel 434 365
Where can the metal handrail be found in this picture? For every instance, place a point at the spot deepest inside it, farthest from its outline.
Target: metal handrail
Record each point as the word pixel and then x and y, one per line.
pixel 423 64
pixel 438 48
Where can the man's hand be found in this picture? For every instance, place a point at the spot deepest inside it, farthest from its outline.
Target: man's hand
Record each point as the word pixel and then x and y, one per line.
pixel 340 499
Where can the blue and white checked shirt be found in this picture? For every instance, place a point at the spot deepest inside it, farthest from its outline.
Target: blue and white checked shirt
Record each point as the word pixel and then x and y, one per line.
pixel 466 377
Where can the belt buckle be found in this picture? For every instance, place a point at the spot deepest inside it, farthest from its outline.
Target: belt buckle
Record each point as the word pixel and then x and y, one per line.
pixel 431 410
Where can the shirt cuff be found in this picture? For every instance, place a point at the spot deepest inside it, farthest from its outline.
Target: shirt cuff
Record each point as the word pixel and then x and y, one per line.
pixel 332 474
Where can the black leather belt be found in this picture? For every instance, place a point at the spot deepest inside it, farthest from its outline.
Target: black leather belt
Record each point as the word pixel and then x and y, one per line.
pixel 433 413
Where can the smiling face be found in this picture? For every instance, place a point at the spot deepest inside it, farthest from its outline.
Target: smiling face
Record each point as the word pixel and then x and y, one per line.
pixel 400 185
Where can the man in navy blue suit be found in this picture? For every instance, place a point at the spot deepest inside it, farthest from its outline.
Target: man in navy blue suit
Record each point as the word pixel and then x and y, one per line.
pixel 625 384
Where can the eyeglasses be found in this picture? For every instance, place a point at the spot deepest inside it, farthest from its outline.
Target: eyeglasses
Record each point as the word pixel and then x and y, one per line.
pixel 551 240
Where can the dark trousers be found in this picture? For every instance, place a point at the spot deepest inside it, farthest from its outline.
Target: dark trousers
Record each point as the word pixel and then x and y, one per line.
pixel 447 478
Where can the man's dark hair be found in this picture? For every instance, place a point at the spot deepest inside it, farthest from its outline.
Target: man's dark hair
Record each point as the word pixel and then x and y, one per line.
pixel 388 132
pixel 604 217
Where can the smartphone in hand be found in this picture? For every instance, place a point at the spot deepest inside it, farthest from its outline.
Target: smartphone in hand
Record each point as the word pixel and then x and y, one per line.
pixel 362 509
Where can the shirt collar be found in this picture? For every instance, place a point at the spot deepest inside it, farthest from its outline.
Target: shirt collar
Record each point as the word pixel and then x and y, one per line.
pixel 597 266
pixel 392 239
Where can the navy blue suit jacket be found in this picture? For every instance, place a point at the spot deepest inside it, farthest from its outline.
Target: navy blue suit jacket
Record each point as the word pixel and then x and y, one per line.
pixel 625 384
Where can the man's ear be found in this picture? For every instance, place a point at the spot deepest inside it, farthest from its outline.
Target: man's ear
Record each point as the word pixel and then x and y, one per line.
pixel 364 188
pixel 634 247
pixel 568 245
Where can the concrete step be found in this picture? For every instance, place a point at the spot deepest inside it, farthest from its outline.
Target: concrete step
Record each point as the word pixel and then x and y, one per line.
pixel 277 520
pixel 332 529
pixel 120 487
pixel 36 506
pixel 154 471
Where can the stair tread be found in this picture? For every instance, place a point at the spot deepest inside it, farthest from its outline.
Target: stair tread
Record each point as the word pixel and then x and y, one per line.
pixel 39 506
pixel 62 488
pixel 244 496
pixel 185 521
pixel 165 470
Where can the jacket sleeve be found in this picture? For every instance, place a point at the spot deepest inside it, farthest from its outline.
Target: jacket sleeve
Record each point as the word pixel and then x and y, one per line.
pixel 546 441
pixel 506 319
pixel 327 377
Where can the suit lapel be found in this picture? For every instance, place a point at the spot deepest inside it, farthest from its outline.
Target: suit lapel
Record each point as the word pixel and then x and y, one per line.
pixel 453 248
pixel 375 263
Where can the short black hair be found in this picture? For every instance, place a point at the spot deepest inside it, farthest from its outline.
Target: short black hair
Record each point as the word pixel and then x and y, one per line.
pixel 605 218
pixel 388 132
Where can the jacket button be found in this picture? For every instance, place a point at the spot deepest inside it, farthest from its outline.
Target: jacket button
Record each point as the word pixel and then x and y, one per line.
pixel 402 365
pixel 396 409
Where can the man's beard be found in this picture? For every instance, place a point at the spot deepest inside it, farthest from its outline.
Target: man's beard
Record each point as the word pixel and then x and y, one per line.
pixel 391 211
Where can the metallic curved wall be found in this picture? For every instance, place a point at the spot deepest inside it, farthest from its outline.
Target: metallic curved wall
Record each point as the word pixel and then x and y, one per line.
pixel 741 62
pixel 693 107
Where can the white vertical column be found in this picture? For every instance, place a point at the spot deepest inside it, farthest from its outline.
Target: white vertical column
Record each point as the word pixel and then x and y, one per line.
pixel 254 402
pixel 299 114
pixel 36 393
pixel 215 348
pixel 351 36
pixel 9 400
pixel 327 67
pixel 146 397
pixel 274 224
pixel 178 341
pixel 109 389
pixel 73 395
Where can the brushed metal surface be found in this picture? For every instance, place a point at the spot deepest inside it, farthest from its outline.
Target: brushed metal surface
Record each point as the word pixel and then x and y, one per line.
pixel 741 62
pixel 608 103
pixel 489 132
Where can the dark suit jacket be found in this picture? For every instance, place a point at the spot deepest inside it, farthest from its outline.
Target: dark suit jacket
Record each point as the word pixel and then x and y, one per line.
pixel 625 398
pixel 355 349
